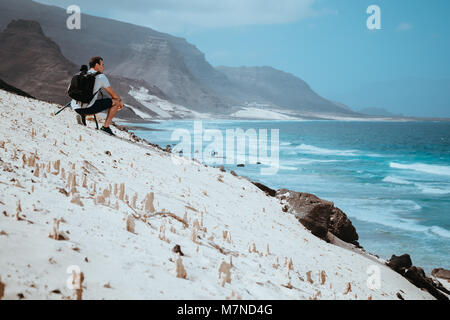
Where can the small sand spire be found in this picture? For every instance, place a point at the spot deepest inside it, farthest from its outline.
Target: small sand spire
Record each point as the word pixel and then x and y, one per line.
pixel 148 206
pixel 225 273
pixel 181 272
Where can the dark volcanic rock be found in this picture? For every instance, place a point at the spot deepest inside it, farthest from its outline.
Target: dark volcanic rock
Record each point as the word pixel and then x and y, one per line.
pixel 266 189
pixel 318 215
pixel 417 276
pixel 403 265
pixel 341 226
pixel 400 296
pixel 316 220
pixel 399 263
pixel 177 249
pixel 441 273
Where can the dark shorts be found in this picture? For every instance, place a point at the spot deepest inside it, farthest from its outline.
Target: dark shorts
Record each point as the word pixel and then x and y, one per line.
pixel 98 106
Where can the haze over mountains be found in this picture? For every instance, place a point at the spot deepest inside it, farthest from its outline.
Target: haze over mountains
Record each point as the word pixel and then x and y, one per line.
pixel 397 95
pixel 174 68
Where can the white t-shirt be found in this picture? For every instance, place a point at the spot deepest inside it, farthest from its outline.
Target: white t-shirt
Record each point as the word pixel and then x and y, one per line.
pixel 101 81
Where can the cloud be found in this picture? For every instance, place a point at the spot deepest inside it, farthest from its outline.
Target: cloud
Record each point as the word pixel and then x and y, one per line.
pixel 404 26
pixel 179 15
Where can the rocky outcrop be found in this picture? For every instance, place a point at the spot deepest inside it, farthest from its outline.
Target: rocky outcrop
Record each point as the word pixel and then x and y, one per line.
pixel 318 215
pixel 268 191
pixel 322 218
pixel 341 226
pixel 403 265
pixel 400 263
pixel 441 274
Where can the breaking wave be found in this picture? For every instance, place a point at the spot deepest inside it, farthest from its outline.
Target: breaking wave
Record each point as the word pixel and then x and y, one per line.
pixel 421 167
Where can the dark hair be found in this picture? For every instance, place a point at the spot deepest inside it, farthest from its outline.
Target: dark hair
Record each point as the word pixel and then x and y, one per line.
pixel 94 61
pixel 84 68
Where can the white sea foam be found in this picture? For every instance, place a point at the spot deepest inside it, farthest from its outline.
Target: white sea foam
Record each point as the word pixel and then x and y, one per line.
pixel 308 149
pixel 440 231
pixel 421 167
pixel 310 161
pixel 396 180
pixel 383 211
pixel 431 189
pixel 390 213
pixel 288 168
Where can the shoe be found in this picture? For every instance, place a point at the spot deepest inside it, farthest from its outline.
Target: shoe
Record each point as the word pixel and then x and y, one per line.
pixel 107 130
pixel 81 118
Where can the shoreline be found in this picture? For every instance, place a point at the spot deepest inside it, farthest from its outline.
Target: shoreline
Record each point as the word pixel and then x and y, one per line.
pixel 421 280
pixel 429 268
pixel 343 119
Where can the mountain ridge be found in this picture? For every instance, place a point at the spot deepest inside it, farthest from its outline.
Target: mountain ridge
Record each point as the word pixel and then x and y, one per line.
pixel 171 63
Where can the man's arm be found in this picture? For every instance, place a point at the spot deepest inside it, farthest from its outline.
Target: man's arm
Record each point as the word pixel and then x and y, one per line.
pixel 116 99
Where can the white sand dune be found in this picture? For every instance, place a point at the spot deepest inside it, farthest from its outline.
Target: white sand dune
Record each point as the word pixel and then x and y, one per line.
pixel 163 108
pixel 215 217
pixel 263 114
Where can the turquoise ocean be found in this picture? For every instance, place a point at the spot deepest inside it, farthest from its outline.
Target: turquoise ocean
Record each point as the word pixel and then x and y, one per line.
pixel 391 178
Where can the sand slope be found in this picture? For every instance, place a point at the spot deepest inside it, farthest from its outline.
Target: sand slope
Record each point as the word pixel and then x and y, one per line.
pixel 215 217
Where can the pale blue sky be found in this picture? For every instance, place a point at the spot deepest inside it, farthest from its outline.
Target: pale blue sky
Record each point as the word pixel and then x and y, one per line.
pixel 324 42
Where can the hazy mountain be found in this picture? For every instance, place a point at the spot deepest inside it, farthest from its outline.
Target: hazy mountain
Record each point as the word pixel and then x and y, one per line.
pixel 379 112
pixel 268 85
pixel 31 61
pixel 170 63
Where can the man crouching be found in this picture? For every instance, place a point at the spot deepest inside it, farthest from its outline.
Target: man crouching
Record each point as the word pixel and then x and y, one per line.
pixel 113 104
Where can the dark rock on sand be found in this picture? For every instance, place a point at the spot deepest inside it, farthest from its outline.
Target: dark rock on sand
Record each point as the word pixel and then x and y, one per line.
pixel 341 226
pixel 403 265
pixel 177 249
pixel 417 276
pixel 399 263
pixel 441 273
pixel 270 192
pixel 316 220
pixel 319 216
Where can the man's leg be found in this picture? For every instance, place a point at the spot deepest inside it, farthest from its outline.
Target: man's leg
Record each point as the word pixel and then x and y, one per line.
pixel 111 113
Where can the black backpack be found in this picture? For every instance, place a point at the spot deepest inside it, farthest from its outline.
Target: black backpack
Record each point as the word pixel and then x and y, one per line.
pixel 82 86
